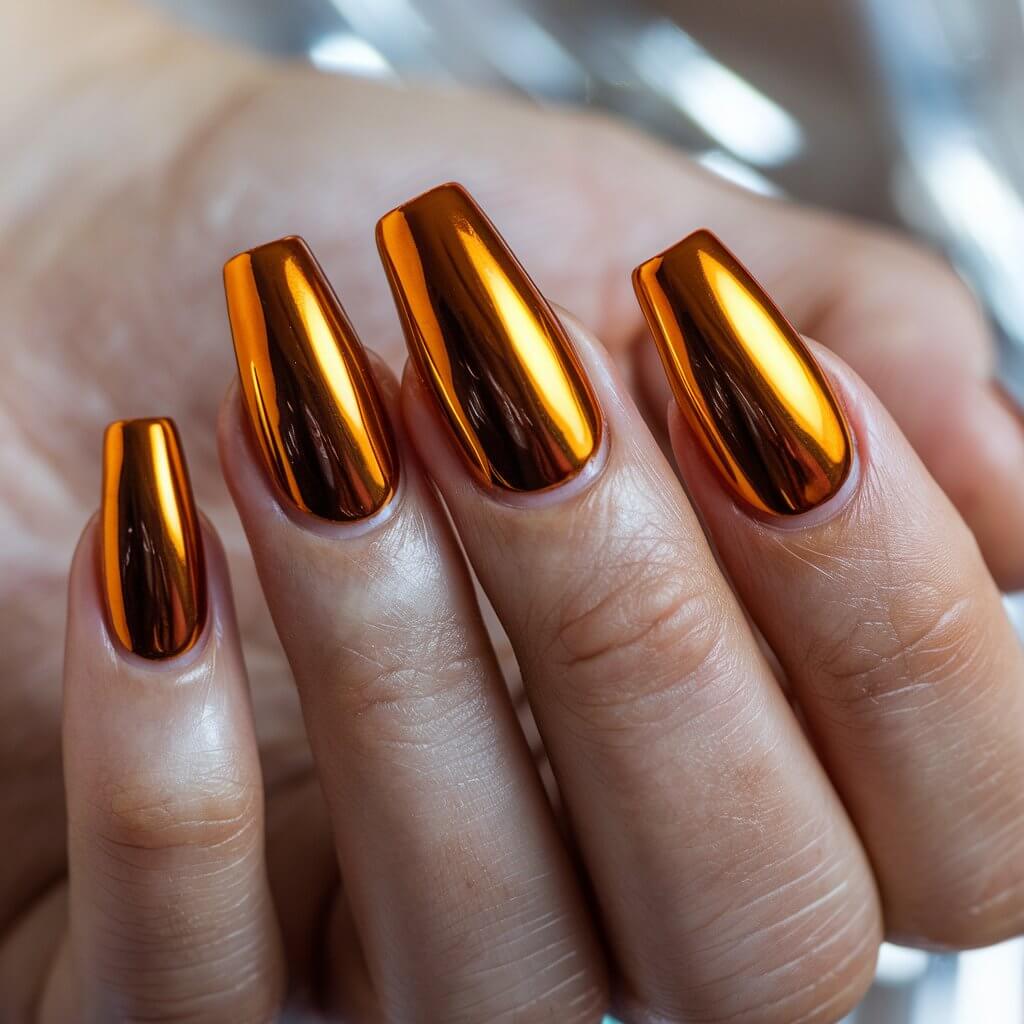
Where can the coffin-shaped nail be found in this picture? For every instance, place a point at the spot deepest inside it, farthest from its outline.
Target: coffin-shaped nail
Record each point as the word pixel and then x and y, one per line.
pixel 154 582
pixel 487 344
pixel 307 386
pixel 753 393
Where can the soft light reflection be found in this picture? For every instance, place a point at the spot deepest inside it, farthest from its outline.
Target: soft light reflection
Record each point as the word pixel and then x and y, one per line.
pixel 380 13
pixel 899 965
pixel 535 354
pixel 976 197
pixel 776 359
pixel 729 109
pixel 719 162
pixel 527 54
pixel 346 53
pixel 986 216
pixel 166 488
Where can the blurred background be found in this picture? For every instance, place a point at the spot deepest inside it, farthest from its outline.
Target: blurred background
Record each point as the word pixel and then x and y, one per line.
pixel 906 112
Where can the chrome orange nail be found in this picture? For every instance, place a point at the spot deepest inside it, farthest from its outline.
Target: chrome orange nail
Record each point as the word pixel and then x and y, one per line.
pixel 154 583
pixel 487 345
pixel 307 386
pixel 742 375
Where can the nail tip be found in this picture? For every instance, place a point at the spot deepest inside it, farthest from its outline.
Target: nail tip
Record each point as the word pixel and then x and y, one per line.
pixel 429 195
pixel 699 239
pixel 130 422
pixel 289 243
pixel 427 198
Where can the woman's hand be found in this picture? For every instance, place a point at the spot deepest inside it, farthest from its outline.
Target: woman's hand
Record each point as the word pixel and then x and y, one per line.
pixel 729 881
pixel 736 868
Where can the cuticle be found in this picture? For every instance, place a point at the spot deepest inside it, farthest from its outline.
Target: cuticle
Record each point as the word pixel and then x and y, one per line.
pixel 832 507
pixel 576 485
pixel 821 514
pixel 338 529
pixel 182 660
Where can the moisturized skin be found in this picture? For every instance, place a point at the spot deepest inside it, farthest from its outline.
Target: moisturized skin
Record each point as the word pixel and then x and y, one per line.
pixel 744 378
pixel 154 583
pixel 307 386
pixel 487 344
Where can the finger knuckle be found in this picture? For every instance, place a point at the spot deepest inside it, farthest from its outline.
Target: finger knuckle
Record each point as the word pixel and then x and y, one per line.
pixel 826 975
pixel 899 650
pixel 180 806
pixel 907 679
pixel 916 278
pixel 237 997
pixel 428 689
pixel 507 976
pixel 642 633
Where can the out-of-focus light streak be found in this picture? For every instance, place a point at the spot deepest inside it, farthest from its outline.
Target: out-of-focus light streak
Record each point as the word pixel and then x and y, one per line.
pixel 727 107
pixel 347 54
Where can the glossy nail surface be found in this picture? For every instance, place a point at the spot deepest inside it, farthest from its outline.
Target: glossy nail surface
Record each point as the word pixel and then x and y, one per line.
pixel 743 376
pixel 307 385
pixel 487 344
pixel 154 583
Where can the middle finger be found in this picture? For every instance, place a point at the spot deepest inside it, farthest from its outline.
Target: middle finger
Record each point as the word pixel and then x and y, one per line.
pixel 729 877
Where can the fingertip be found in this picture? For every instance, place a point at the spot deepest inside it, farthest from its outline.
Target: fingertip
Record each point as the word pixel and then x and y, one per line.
pixel 970 440
pixel 162 783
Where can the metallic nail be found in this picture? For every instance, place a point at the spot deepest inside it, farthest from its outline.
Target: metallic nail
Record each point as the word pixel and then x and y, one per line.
pixel 744 378
pixel 307 385
pixel 487 345
pixel 151 550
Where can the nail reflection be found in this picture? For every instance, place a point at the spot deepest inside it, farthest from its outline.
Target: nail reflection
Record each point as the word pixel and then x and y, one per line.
pixel 154 584
pixel 487 344
pixel 307 385
pixel 744 378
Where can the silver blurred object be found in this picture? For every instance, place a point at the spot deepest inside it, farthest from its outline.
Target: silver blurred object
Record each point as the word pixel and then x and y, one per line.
pixel 905 111
pixel 955 74
pixel 732 82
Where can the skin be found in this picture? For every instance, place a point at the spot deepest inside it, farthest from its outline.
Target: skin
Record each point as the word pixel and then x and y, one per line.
pixel 137 158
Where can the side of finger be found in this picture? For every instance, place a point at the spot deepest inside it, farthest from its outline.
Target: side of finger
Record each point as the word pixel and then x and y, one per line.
pixel 170 914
